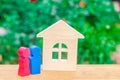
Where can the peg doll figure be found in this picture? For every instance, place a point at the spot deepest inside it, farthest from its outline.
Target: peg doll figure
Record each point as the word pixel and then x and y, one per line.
pixel 23 61
pixel 35 60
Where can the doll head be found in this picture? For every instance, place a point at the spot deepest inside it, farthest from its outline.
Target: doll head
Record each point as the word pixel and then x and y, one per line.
pixel 23 52
pixel 35 51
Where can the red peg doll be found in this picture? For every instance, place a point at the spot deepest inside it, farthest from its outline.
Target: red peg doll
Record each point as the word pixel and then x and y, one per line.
pixel 23 61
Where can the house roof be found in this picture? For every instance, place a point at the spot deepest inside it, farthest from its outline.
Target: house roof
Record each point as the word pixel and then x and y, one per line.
pixel 60 29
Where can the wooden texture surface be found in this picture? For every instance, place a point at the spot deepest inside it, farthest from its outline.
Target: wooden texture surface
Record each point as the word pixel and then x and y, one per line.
pixel 83 72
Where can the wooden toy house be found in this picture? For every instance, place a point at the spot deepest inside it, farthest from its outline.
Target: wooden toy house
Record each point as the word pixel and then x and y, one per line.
pixel 60 47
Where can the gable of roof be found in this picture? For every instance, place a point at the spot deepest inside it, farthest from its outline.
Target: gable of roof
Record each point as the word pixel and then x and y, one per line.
pixel 60 28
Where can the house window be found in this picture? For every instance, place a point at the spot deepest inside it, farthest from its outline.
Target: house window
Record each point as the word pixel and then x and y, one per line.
pixel 64 46
pixel 54 55
pixel 64 55
pixel 59 52
pixel 56 45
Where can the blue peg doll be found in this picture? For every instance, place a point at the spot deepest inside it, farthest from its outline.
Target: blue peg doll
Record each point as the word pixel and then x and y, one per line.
pixel 35 60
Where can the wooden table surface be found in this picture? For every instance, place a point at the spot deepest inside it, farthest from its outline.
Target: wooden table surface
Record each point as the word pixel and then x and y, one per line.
pixel 83 72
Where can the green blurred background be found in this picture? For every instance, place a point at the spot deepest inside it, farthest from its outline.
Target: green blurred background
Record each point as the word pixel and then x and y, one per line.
pixel 97 20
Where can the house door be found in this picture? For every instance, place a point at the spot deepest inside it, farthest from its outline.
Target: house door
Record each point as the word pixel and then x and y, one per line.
pixel 60 52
